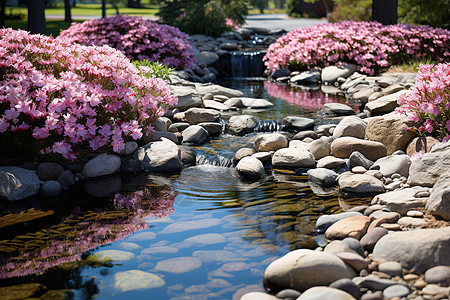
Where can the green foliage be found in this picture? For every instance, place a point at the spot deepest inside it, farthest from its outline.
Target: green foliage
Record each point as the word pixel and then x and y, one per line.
pixel 203 16
pixel 158 70
pixel 260 4
pixel 436 14
pixel 294 8
pixel 357 10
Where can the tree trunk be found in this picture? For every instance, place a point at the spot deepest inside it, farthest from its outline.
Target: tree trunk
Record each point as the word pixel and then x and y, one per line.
pixel 103 8
pixel 67 11
pixel 384 11
pixel 2 13
pixel 36 16
pixel 134 3
pixel 261 10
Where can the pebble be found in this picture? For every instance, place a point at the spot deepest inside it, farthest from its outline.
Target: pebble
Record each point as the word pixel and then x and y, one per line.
pixel 411 222
pixel 391 226
pixel 409 277
pixel 359 170
pixel 420 284
pixel 378 295
pixel 414 213
pixel 438 275
pixel 434 289
pixel 391 268
pixel 396 290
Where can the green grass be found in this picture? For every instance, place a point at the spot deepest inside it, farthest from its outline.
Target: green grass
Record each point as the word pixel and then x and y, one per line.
pixel 410 66
pixel 53 27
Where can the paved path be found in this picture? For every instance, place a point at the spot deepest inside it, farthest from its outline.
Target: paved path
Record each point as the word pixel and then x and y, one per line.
pixel 268 21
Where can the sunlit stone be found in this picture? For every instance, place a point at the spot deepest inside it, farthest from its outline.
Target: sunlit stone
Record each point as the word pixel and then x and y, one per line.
pixel 178 265
pixel 110 255
pixel 136 280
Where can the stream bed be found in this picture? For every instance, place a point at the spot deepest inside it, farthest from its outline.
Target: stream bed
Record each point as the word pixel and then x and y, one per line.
pixel 200 234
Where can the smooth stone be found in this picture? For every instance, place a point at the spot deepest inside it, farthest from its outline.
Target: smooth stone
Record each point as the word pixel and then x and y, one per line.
pixel 338 109
pixel 179 126
pixel 356 261
pixel 66 178
pixel 306 78
pixel 330 74
pixel 354 244
pixel 302 269
pixel 103 187
pixel 158 136
pixel 347 285
pixel 355 227
pixel 160 156
pixel 200 115
pixel 305 134
pixel 394 164
pixel 50 188
pixel 215 89
pixel 358 159
pixel 127 246
pixel 249 168
pixel 18 183
pixel 397 290
pixel 110 255
pixel 330 162
pixel 134 280
pixel 350 126
pixel 411 222
pixel 142 236
pixel 384 104
pixel 391 268
pixel 203 240
pixel 159 249
pixel 337 246
pixel 439 202
pixel 322 176
pixel 207 57
pixel 195 134
pixel 292 158
pixel 439 275
pixel 391 226
pixel 298 123
pixel 254 103
pixel 359 170
pixel 235 103
pixel 258 296
pixel 369 240
pixel 211 104
pixel 412 248
pixel 373 282
pixel 288 294
pixel 386 216
pixel 320 148
pixel 235 266
pixel 270 142
pixel 187 97
pixel 242 124
pixel 190 225
pixel 401 201
pixel 241 153
pixel 217 256
pixel 436 290
pixel 414 213
pixel 160 124
pixel 130 166
pixel 378 295
pixel 102 165
pixel 263 156
pixel 178 265
pixel 390 130
pixel 322 292
pixel 343 147
pixel 360 184
pixel 49 171
pixel 325 221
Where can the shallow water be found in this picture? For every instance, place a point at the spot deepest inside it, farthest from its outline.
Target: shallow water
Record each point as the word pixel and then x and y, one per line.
pixel 202 234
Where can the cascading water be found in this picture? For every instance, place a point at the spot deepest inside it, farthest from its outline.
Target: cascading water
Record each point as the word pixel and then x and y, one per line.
pixel 213 160
pixel 269 126
pixel 245 64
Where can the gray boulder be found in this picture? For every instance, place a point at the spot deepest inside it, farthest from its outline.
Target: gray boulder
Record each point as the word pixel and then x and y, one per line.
pixel 215 89
pixel 102 165
pixel 320 148
pixel 338 109
pixel 17 183
pixel 242 124
pixel 384 105
pixel 49 171
pixel 195 134
pixel 393 164
pixel 401 201
pixel 249 168
pixel 426 170
pixel 298 123
pixel 418 249
pixel 324 292
pixel 270 142
pixel 302 269
pixel 360 184
pixel 162 156
pixel 332 73
pixel 50 188
pixel 199 115
pixel 350 126
pixel 292 158
pixel 322 176
pixel 439 202
pixel 343 147
pixel 330 162
pixel 255 103
pixel 187 97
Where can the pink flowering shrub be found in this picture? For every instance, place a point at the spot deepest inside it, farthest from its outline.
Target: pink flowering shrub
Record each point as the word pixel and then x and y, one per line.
pixel 136 37
pixel 428 102
pixel 369 45
pixel 64 96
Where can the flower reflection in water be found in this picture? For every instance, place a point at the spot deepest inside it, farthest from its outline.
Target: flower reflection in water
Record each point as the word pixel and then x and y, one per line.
pixel 82 231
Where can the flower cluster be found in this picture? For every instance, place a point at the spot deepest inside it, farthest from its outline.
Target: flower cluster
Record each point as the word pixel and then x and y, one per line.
pixel 69 96
pixel 370 45
pixel 136 37
pixel 428 102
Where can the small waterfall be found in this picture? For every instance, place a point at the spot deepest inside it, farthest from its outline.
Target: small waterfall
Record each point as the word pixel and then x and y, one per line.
pixel 213 160
pixel 245 64
pixel 269 126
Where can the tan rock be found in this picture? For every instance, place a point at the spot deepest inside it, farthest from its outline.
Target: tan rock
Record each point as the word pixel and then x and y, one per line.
pixel 354 227
pixel 421 144
pixel 344 146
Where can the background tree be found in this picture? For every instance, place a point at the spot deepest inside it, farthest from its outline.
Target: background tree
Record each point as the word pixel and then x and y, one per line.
pixel 103 8
pixel 384 11
pixel 295 8
pixel 2 13
pixel 260 4
pixel 425 13
pixel 36 16
pixel 134 3
pixel 67 11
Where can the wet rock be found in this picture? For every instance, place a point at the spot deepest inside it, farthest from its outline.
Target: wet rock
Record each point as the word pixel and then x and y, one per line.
pixel 110 255
pixel 187 97
pixel 320 148
pixel 213 128
pixel 394 164
pixel 439 202
pixel 322 176
pixel 254 103
pixel 202 240
pixel 162 156
pixel 302 269
pixel 178 127
pixel 350 126
pixel 439 275
pixel 158 136
pixel 49 171
pixel 354 226
pixel 401 201
pixel 66 178
pixel 22 291
pixel 102 165
pixel 288 294
pixel 390 130
pixel 298 123
pixel 50 188
pixel 270 142
pixel 195 135
pixel 130 166
pixel 103 187
pixel 190 225
pixel 217 256
pixel 360 184
pixel 292 158
pixel 322 292
pixel 338 109
pixel 347 285
pixel 178 265
pixel 241 153
pixel 330 74
pixel 306 78
pixel 17 183
pixel 159 250
pixel 250 168
pixel 372 236
pixel 127 246
pixel 242 124
pixel 306 134
pixel 206 57
pixel 199 115
pixel 419 249
pixel 325 221
pixel 343 147
pixel 134 280
pixel 188 157
pixel 142 236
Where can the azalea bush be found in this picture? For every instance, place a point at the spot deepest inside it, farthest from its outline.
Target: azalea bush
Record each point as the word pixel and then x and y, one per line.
pixel 136 37
pixel 369 45
pixel 427 104
pixel 62 97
